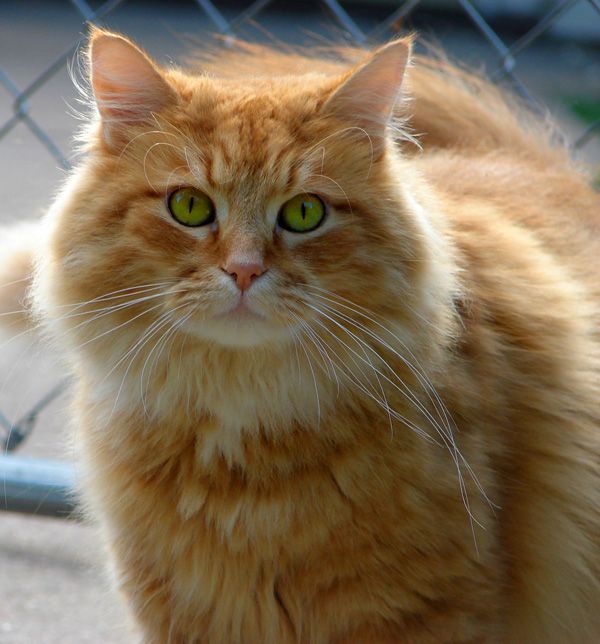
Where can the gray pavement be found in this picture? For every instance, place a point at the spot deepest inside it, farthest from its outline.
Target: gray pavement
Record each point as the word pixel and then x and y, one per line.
pixel 52 588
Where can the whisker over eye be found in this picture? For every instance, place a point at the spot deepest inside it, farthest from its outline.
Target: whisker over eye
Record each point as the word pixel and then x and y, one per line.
pixel 191 207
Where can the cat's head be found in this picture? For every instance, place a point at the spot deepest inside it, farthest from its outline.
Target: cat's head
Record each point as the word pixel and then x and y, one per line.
pixel 236 210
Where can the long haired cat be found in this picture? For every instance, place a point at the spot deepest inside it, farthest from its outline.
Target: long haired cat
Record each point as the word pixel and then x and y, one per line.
pixel 330 388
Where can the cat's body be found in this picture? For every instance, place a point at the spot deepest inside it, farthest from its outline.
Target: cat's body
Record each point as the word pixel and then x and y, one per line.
pixel 274 486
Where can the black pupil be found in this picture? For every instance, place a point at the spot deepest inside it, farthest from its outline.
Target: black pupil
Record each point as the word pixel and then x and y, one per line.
pixel 191 205
pixel 303 209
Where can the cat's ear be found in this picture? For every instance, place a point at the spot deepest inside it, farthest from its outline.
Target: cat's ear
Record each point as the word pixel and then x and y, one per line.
pixel 367 95
pixel 127 85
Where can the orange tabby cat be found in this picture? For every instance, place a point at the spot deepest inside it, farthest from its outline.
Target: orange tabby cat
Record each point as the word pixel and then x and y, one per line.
pixel 329 389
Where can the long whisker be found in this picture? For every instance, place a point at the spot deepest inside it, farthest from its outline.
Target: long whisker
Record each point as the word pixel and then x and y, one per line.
pixel 370 393
pixel 381 388
pixel 14 312
pixel 107 310
pixel 314 380
pixel 154 325
pixel 350 356
pixel 329 367
pixel 75 306
pixel 175 170
pixel 324 176
pixel 364 387
pixel 295 340
pixel 161 341
pixel 417 370
pixel 105 297
pixel 448 441
pixel 119 326
pixel 22 279
pixel 192 144
pixel 16 336
pixel 143 134
pixel 130 290
pixel 448 431
pixel 329 136
pixel 149 150
pixel 404 390
pixel 445 433
pixel 184 318
pixel 152 329
pixel 120 307
pixel 424 381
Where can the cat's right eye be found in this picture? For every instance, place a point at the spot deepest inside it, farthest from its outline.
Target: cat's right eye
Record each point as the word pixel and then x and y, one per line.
pixel 191 207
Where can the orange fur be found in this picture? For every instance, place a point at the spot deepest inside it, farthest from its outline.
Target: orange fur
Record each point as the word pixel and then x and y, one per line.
pixel 423 463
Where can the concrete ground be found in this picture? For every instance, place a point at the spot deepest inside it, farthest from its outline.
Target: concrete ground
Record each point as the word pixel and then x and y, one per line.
pixel 52 588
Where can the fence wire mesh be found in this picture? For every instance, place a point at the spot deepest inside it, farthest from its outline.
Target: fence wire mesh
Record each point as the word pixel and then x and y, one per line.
pixel 230 20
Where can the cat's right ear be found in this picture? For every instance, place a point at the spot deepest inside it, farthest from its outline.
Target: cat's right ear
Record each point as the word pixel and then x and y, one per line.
pixel 367 95
pixel 128 87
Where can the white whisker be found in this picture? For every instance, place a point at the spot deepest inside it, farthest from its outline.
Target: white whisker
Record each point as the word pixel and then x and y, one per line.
pixel 405 389
pixel 295 340
pixel 149 150
pixel 314 380
pixel 329 368
pixel 139 344
pixel 160 343
pixel 119 326
pixel 143 134
pixel 417 370
pixel 371 394
pixel 22 279
pixel 444 430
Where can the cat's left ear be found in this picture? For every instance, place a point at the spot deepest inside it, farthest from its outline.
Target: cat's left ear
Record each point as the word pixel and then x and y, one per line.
pixel 128 87
pixel 367 95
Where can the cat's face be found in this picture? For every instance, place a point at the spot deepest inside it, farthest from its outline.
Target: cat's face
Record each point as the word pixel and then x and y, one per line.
pixel 248 207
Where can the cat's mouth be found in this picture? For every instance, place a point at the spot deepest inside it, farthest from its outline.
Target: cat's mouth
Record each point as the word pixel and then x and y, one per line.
pixel 242 311
pixel 240 323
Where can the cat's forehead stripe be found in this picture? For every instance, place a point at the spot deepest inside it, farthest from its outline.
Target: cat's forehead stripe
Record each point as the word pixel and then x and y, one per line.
pixel 279 169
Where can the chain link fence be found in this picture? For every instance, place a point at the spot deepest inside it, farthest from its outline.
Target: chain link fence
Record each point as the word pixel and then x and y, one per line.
pixel 33 485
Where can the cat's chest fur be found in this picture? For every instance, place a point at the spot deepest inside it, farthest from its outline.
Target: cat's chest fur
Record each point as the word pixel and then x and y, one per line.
pixel 250 548
pixel 220 396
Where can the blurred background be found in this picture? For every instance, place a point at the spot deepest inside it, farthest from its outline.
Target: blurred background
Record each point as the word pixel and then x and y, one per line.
pixel 52 588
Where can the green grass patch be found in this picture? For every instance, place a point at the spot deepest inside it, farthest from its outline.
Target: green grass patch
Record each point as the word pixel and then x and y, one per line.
pixel 587 109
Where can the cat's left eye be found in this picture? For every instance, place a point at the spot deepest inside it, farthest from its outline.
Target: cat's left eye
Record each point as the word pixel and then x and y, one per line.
pixel 191 207
pixel 302 213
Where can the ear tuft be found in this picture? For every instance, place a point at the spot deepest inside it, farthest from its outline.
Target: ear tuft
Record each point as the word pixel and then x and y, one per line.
pixel 128 86
pixel 367 95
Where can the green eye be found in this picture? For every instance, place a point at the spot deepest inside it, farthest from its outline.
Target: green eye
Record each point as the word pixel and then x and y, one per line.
pixel 191 207
pixel 302 213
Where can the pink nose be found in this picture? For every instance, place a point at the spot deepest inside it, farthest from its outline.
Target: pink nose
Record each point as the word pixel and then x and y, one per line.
pixel 244 273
